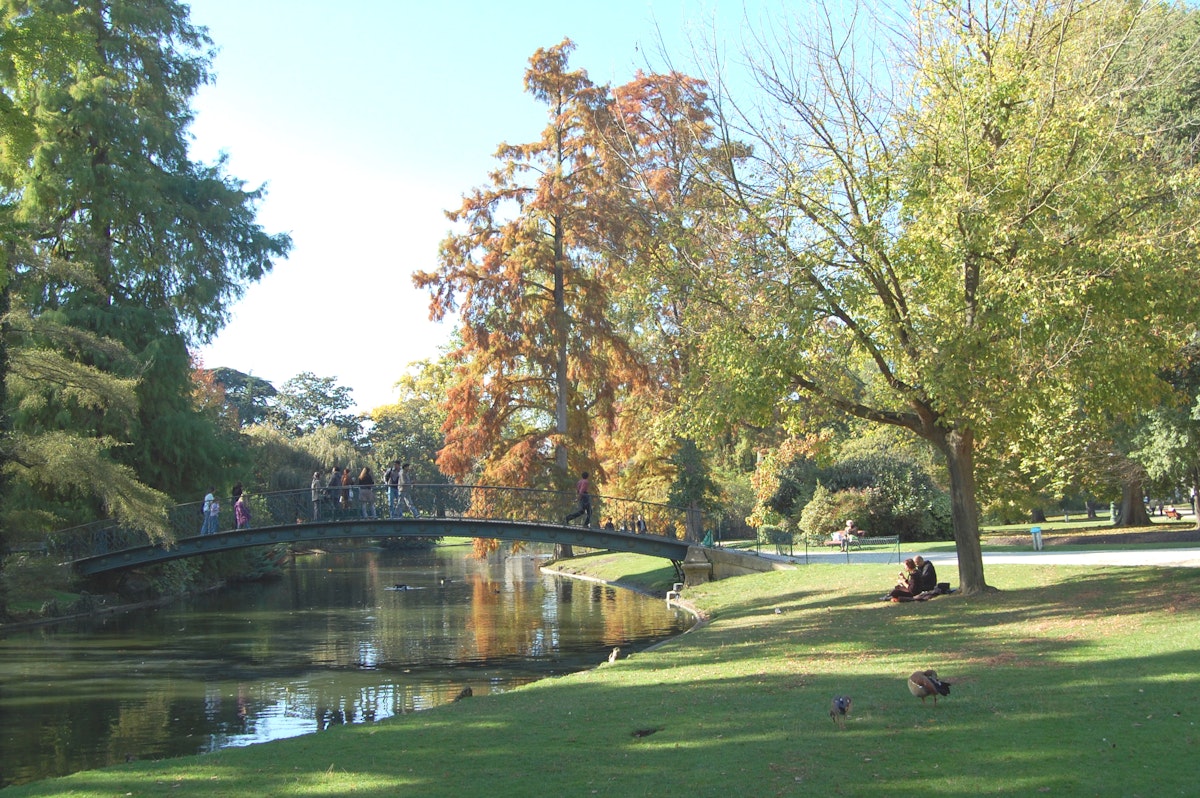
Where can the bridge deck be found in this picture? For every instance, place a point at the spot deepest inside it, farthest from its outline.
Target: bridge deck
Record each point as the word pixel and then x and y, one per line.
pixel 651 545
pixel 326 513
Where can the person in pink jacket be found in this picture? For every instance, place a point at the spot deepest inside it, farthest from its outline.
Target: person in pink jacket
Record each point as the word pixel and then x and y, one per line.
pixel 241 512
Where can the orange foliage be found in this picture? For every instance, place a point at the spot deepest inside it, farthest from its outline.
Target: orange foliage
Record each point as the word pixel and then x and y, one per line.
pixel 209 395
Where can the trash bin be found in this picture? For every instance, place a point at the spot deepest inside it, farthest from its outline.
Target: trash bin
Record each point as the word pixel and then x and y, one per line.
pixel 1037 538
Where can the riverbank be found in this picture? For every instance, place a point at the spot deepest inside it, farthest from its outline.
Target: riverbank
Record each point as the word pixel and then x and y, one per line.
pixel 1070 680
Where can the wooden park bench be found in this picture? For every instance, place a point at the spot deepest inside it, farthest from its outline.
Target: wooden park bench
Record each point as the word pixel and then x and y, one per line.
pixel 876 540
pixel 857 543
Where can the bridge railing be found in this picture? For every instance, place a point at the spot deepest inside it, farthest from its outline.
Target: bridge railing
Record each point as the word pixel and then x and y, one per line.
pixel 348 504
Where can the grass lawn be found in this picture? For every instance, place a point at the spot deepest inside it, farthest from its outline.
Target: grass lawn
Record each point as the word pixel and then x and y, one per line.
pixel 1069 681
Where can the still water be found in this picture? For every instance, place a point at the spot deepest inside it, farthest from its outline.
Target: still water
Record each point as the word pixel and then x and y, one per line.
pixel 344 637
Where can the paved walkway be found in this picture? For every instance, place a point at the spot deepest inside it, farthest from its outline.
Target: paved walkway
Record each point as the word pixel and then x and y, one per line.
pixel 1185 558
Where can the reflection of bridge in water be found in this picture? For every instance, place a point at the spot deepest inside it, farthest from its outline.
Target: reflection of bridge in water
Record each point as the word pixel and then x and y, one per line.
pixel 301 516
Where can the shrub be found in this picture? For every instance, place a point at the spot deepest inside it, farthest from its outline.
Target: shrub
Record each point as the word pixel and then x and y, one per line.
pixel 776 536
pixel 828 512
pixel 901 498
pixel 885 493
pixel 818 518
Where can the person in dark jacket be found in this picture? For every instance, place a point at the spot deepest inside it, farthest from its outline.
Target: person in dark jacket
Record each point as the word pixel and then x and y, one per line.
pixel 926 576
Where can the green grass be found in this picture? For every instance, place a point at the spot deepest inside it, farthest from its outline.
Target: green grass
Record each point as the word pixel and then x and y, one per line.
pixel 1081 524
pixel 1069 681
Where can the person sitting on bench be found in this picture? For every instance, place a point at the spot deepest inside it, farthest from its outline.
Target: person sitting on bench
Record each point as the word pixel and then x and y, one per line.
pixel 849 534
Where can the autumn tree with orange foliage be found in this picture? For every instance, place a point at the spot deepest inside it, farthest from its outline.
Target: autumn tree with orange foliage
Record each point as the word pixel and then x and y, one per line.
pixel 541 363
pixel 570 355
pixel 660 128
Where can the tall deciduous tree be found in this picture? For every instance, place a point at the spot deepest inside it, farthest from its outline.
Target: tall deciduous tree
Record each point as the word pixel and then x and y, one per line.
pixel 1167 441
pixel 306 403
pixel 541 361
pixel 660 225
pixel 247 396
pixel 410 430
pixel 945 258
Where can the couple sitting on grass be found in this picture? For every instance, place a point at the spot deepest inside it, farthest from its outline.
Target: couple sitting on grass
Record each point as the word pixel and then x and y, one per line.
pixel 918 582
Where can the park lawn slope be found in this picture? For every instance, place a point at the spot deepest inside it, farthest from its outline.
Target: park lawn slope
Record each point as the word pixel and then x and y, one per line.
pixel 1070 681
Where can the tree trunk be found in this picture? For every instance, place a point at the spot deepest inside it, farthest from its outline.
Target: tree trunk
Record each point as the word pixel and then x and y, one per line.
pixel 5 419
pixel 694 523
pixel 959 448
pixel 1037 515
pixel 1196 503
pixel 561 384
pixel 561 375
pixel 1133 509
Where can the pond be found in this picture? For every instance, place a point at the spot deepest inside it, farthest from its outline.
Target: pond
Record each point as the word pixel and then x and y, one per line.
pixel 343 637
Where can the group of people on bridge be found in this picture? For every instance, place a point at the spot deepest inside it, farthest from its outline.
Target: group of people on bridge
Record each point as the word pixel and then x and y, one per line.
pixel 211 510
pixel 341 495
pixel 337 496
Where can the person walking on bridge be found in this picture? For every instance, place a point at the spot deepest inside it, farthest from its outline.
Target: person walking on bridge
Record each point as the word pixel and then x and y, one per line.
pixel 241 512
pixel 333 492
pixel 584 497
pixel 406 483
pixel 366 492
pixel 317 487
pixel 211 509
pixel 392 478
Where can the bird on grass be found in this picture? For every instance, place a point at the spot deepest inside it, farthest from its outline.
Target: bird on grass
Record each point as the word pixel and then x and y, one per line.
pixel 927 683
pixel 839 708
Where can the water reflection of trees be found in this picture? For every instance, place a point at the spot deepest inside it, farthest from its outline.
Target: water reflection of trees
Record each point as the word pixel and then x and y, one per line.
pixel 331 646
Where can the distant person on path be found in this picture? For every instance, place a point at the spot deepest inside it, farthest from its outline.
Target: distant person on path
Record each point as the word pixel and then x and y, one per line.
pixel 236 493
pixel 406 483
pixel 584 497
pixel 241 512
pixel 316 495
pixel 366 492
pixel 392 478
pixel 640 526
pixel 208 523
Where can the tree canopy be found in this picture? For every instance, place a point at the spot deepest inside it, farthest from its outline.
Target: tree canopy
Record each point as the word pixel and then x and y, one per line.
pixel 541 362
pixel 120 252
pixel 950 230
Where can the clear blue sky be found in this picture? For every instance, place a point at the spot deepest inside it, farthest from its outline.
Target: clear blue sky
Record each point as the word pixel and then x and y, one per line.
pixel 367 120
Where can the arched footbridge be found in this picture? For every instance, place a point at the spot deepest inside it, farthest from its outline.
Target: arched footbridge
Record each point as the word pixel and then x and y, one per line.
pixel 307 516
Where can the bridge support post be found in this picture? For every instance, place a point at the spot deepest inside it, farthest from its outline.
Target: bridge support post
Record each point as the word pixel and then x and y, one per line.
pixel 697 568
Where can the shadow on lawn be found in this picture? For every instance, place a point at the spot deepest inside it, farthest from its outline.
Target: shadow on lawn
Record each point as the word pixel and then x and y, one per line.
pixel 1038 703
pixel 1026 625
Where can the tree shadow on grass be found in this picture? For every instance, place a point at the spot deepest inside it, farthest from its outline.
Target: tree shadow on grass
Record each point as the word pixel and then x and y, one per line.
pixel 1056 688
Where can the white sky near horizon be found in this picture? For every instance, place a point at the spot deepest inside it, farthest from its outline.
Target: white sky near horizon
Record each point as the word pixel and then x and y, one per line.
pixel 367 120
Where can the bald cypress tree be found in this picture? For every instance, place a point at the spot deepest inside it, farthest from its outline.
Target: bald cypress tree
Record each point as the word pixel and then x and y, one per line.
pixel 125 253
